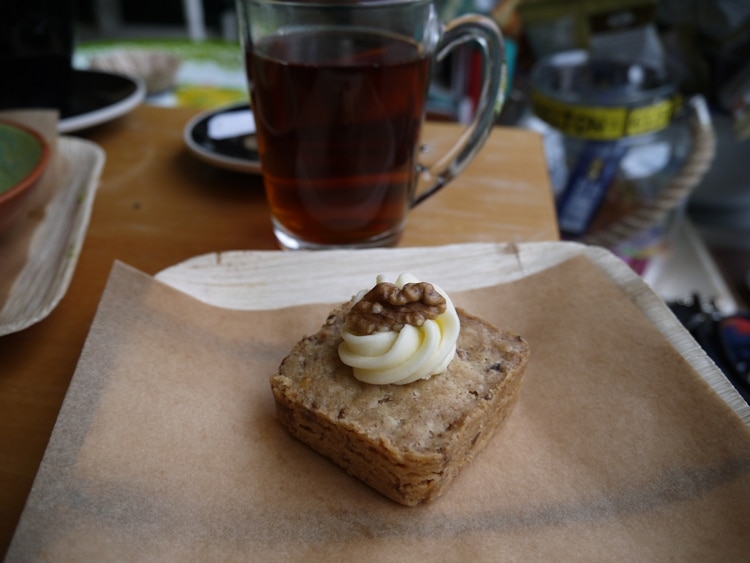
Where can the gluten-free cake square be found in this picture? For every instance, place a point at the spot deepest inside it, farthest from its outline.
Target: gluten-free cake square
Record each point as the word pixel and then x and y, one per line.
pixel 407 441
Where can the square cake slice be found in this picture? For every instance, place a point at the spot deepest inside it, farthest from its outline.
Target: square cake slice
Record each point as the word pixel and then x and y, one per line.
pixel 406 441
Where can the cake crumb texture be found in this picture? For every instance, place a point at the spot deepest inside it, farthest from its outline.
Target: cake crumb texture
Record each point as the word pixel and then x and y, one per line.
pixel 406 441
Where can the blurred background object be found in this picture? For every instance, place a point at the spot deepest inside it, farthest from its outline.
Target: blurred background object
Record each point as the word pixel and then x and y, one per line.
pixel 604 97
pixel 157 68
pixel 708 43
pixel 197 20
pixel 704 46
pixel 36 48
pixel 186 51
pixel 200 74
pixel 24 157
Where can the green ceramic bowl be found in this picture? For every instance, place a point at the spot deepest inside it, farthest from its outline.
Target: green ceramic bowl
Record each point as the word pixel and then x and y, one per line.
pixel 24 156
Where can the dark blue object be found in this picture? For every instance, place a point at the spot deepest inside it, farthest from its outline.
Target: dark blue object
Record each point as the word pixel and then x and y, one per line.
pixel 587 185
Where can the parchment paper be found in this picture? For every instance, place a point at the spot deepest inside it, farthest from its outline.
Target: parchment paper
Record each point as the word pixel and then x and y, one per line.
pixel 166 447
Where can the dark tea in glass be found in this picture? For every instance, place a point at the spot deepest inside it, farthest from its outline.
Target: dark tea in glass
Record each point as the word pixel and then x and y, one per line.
pixel 338 118
pixel 338 90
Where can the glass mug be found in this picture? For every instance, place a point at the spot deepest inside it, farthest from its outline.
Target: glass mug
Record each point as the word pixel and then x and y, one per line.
pixel 338 90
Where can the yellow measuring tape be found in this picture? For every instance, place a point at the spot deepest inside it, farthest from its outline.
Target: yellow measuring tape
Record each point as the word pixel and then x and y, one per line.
pixel 603 123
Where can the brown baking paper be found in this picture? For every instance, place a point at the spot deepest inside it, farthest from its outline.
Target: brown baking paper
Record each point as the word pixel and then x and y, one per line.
pixel 166 447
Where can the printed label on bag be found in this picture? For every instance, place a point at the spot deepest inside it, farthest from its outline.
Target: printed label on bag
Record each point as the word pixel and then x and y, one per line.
pixel 601 123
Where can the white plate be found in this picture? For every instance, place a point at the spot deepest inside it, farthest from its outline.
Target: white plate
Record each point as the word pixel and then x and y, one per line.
pixel 236 152
pixel 98 97
pixel 57 241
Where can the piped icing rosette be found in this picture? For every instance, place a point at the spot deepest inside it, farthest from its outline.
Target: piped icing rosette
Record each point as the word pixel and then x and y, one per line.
pixel 397 333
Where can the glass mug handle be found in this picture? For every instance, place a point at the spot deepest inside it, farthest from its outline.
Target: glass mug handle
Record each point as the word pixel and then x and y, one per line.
pixel 483 32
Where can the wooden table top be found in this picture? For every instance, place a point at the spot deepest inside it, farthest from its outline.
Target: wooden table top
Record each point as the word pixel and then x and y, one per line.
pixel 157 205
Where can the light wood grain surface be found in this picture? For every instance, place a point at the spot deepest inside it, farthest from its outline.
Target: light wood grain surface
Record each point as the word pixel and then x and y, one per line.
pixel 157 206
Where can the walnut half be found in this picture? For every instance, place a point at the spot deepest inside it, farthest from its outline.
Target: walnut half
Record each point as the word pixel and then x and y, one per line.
pixel 387 307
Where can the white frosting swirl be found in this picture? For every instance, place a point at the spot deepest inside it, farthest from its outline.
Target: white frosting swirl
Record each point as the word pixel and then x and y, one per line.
pixel 407 355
